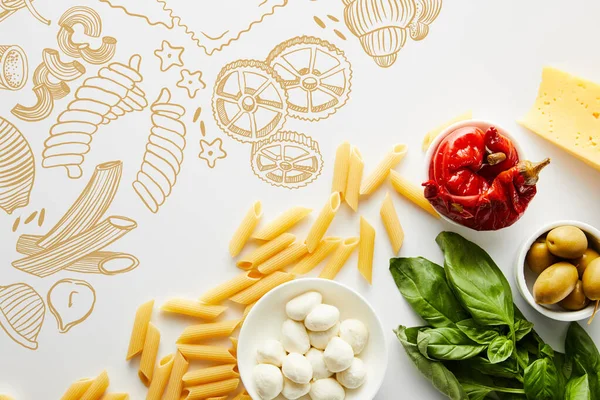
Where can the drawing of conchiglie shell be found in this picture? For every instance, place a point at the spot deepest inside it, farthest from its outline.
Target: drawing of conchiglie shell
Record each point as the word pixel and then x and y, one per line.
pixel 427 11
pixel 71 301
pixel 21 313
pixel 17 168
pixel 381 26
pixel 13 68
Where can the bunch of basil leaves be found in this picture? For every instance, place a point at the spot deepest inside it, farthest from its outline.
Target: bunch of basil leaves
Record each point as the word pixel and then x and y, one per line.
pixel 477 344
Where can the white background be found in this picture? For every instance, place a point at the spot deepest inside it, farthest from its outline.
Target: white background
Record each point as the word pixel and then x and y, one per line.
pixel 481 55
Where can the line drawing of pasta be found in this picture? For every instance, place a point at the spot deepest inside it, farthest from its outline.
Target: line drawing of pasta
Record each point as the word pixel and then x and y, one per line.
pixel 9 7
pixel 22 312
pixel 40 110
pixel 14 68
pixel 17 170
pixel 111 94
pixel 71 301
pixel 164 153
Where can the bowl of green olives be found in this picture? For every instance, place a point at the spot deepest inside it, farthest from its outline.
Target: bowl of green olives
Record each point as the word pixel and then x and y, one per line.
pixel 558 270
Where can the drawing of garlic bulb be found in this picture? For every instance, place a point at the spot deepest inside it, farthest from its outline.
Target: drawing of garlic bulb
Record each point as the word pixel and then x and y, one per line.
pixel 426 12
pixel 381 26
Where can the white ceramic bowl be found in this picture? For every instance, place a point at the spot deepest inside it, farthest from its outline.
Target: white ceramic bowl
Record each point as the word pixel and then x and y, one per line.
pixel 481 124
pixel 526 278
pixel 266 317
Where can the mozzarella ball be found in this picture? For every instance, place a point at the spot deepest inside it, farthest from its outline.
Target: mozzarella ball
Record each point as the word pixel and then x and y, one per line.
pixel 317 361
pixel 320 339
pixel 353 377
pixel 323 317
pixel 270 351
pixel 268 380
pixel 327 389
pixel 294 337
pixel 338 355
pixel 355 333
pixel 297 369
pixel 293 390
pixel 299 307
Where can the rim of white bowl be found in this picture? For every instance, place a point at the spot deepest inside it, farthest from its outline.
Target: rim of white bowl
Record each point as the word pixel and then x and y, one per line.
pixel 343 286
pixel 566 315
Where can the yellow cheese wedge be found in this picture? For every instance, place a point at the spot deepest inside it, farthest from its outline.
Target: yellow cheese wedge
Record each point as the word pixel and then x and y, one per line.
pixel 432 134
pixel 567 113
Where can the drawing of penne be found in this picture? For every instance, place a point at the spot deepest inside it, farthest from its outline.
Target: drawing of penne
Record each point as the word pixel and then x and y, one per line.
pixel 366 249
pixel 210 374
pixel 339 258
pixel 64 71
pixel 210 389
pixel 262 287
pixel 175 385
pixel 198 333
pixel 382 170
pixel 355 172
pixel 284 258
pixel 266 251
pixel 160 378
pixel 310 261
pixel 229 288
pixel 340 169
pixel 140 329
pixel 243 232
pixel 411 192
pixel 321 224
pixel 40 110
pixel 151 344
pixel 193 308
pixel 216 354
pixel 282 223
pixel 97 388
pixel 392 223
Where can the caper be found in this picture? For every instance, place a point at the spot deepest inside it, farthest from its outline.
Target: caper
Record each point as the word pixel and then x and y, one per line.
pixel 567 242
pixel 555 283
pixel 582 262
pixel 539 257
pixel 576 300
pixel 591 280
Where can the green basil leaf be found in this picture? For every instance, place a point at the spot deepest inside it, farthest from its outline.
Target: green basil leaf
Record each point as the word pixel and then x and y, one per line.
pixel 476 383
pixel 500 349
pixel 423 284
pixel 476 332
pixel 546 351
pixel 476 280
pixel 522 328
pixel 440 376
pixel 423 343
pixel 580 348
pixel 450 344
pixel 541 380
pixel 578 389
pixel 523 355
pixel 505 369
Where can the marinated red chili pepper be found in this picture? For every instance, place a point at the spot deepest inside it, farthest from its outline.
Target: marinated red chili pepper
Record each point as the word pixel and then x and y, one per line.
pixel 476 179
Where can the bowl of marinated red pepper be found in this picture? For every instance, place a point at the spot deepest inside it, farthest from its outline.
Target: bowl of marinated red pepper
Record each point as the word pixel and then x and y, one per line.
pixel 478 176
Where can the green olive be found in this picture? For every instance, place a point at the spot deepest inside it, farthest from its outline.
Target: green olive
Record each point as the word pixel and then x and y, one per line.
pixel 567 242
pixel 555 283
pixel 591 280
pixel 539 257
pixel 582 262
pixel 576 300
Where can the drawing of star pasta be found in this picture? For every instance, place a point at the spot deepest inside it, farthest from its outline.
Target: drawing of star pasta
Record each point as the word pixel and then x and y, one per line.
pixel 211 152
pixel 191 81
pixel 169 55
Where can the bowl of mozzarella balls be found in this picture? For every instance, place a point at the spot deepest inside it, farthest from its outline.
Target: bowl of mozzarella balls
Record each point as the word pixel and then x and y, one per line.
pixel 312 339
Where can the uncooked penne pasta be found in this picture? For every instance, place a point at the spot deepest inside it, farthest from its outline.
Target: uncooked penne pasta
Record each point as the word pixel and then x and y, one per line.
pixel 97 388
pixel 340 169
pixel 411 192
pixel 243 396
pixel 196 333
pixel 432 134
pixel 244 231
pixel 228 288
pixel 193 308
pixel 160 378
pixel 266 251
pixel 211 374
pixel 262 287
pixel 339 258
pixel 310 261
pixel 366 250
pixel 355 172
pixel 149 353
pixel 216 354
pixel 140 327
pixel 376 178
pixel 175 385
pixel 283 258
pixel 282 223
pixel 321 224
pixel 115 396
pixel 211 389
pixel 77 389
pixel 247 310
pixel 218 398
pixel 234 345
pixel 392 223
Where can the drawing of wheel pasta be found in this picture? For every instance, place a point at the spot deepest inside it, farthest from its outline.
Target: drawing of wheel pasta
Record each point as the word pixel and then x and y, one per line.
pixel 100 100
pixel 164 153
pixel 287 159
pixel 249 101
pixel 316 76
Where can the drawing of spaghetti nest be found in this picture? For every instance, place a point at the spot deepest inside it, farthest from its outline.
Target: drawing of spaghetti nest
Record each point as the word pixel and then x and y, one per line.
pixel 288 159
pixel 164 153
pixel 101 99
pixel 316 76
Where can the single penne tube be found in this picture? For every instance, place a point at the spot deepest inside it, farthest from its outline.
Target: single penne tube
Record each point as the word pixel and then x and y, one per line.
pixel 382 170
pixel 193 308
pixel 217 354
pixel 149 353
pixel 340 169
pixel 310 261
pixel 432 134
pixel 262 287
pixel 355 172
pixel 218 398
pixel 243 396
pixel 197 333
pixel 77 389
pixel 115 396
pixel 339 258
pixel 247 310
pixel 228 288
pixel 282 223
pixel 366 250
pixel 175 385
pixel 140 327
pixel 244 231
pixel 160 378
pixel 266 251
pixel 210 374
pixel 97 388
pixel 211 389
pixel 392 223
pixel 321 224
pixel 283 258
pixel 411 192
pixel 234 345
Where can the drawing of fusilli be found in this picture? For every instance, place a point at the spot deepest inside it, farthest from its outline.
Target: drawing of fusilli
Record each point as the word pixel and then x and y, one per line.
pixel 111 94
pixel 164 153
